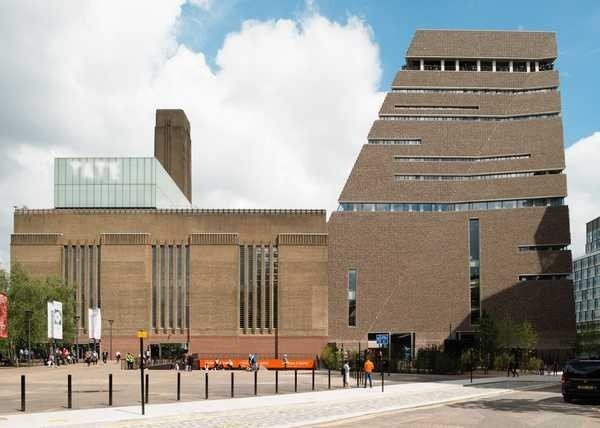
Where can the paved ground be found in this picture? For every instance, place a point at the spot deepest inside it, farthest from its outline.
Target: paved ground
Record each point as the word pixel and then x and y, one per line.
pixel 312 408
pixel 539 408
pixel 46 387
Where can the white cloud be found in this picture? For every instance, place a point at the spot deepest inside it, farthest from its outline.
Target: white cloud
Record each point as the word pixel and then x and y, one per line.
pixel 202 4
pixel 279 123
pixel 583 178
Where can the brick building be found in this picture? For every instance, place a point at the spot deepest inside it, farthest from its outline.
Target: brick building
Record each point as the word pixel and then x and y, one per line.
pixel 454 206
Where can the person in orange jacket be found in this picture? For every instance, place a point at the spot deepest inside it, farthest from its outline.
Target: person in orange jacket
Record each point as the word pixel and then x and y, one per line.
pixel 368 368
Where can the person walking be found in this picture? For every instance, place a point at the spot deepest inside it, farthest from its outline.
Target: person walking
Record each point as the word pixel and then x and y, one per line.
pixel 368 369
pixel 346 374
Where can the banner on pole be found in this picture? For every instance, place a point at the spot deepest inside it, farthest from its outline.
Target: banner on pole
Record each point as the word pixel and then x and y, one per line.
pixel 55 320
pixel 3 316
pixel 94 323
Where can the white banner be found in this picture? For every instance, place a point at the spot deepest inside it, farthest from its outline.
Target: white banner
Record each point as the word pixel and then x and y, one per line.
pixel 94 323
pixel 55 320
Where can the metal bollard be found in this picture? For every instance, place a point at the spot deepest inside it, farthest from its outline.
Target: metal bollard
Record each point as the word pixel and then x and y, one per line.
pixel 313 379
pixel 276 381
pixel 22 393
pixel 255 382
pixel 232 389
pixel 382 380
pixel 110 390
pixel 69 393
pixel 295 380
pixel 329 379
pixel 357 378
pixel 178 386
pixel 206 386
pixel 147 387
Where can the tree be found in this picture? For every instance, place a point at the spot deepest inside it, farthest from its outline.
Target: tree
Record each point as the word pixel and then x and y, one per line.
pixel 3 281
pixel 488 338
pixel 29 294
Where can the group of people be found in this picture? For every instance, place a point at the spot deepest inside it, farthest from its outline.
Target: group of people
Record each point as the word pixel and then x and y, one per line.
pixel 61 356
pixel 368 368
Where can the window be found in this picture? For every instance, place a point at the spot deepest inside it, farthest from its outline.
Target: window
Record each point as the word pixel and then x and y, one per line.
pixel 547 277
pixel 242 286
pixel 466 159
pixel 171 290
pixel 474 270
pixel 179 287
pixel 519 66
pixel 450 65
pixel 468 65
pixel 352 298
pixel 400 142
pixel 488 91
pixel 154 287
pixel 250 287
pixel 496 118
pixel 486 66
pixel 502 66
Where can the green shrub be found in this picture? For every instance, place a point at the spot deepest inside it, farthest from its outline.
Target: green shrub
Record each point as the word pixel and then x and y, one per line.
pixel 501 361
pixel 331 357
pixel 532 364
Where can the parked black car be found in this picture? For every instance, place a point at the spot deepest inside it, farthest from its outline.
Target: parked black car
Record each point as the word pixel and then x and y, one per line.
pixel 581 379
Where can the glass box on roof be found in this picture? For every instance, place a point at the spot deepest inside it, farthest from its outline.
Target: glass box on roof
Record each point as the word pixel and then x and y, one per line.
pixel 115 183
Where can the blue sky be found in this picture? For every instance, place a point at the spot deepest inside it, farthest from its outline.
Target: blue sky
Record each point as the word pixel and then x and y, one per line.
pixel 577 25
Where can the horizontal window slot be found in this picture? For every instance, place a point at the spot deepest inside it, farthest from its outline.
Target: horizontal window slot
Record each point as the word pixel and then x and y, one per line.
pixel 448 206
pixel 471 177
pixel 466 159
pixel 471 118
pixel 545 277
pixel 546 247
pixel 399 142
pixel 437 107
pixel 497 91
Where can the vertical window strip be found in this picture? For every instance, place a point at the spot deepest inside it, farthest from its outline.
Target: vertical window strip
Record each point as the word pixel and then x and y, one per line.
pixel 179 287
pixel 171 289
pixel 474 270
pixel 242 280
pixel 84 298
pixel 187 288
pixel 352 298
pixel 259 286
pixel 91 291
pixel 275 287
pixel 250 286
pixel 98 266
pixel 154 287
pixel 66 264
pixel 163 286
pixel 268 289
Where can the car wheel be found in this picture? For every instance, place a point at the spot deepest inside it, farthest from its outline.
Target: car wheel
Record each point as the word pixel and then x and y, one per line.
pixel 567 399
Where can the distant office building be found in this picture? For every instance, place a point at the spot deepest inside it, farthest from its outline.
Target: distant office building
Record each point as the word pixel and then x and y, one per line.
pixel 456 204
pixel 587 279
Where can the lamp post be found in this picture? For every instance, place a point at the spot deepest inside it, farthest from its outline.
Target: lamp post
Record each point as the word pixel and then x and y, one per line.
pixel 110 323
pixel 77 318
pixel 29 314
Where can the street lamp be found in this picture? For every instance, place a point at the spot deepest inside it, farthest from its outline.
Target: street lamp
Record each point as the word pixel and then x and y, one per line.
pixel 29 314
pixel 77 318
pixel 110 322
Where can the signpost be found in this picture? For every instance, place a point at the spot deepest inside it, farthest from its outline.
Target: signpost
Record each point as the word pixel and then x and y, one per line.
pixel 142 334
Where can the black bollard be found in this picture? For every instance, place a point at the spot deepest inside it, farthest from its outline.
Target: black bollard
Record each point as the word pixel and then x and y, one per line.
pixel 232 384
pixel 22 393
pixel 295 380
pixel 276 381
pixel 382 380
pixel 110 390
pixel 147 387
pixel 255 382
pixel 313 379
pixel 69 393
pixel 178 386
pixel 357 378
pixel 329 379
pixel 206 386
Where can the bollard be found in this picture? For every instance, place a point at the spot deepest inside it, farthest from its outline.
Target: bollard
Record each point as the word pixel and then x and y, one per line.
pixel 110 390
pixel 206 386
pixel 295 380
pixel 22 393
pixel 329 379
pixel 147 387
pixel 232 384
pixel 178 386
pixel 313 379
pixel 357 378
pixel 69 393
pixel 276 381
pixel 255 382
pixel 382 380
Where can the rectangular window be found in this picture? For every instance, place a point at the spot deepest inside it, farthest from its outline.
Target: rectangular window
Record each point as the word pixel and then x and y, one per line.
pixel 98 261
pixel 187 288
pixel 267 257
pixel 179 287
pixel 250 285
pixel 242 279
pixel 275 287
pixel 154 287
pixel 259 284
pixel 163 286
pixel 474 281
pixel 352 298
pixel 171 289
pixel 93 300
pixel 84 301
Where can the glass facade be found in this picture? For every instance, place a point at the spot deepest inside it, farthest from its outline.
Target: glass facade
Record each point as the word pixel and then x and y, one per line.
pixel 474 282
pixel 115 183
pixel 352 298
pixel 587 278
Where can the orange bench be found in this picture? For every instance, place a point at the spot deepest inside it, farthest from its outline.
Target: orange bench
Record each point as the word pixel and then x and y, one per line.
pixel 268 364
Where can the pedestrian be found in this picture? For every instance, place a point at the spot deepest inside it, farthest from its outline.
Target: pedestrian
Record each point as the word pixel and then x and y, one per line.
pixel 118 356
pixel 285 361
pixel 555 368
pixel 368 369
pixel 542 367
pixel 346 374
pixel 104 357
pixel 515 373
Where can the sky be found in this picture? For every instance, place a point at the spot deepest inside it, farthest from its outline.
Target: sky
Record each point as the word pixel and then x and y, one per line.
pixel 280 94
